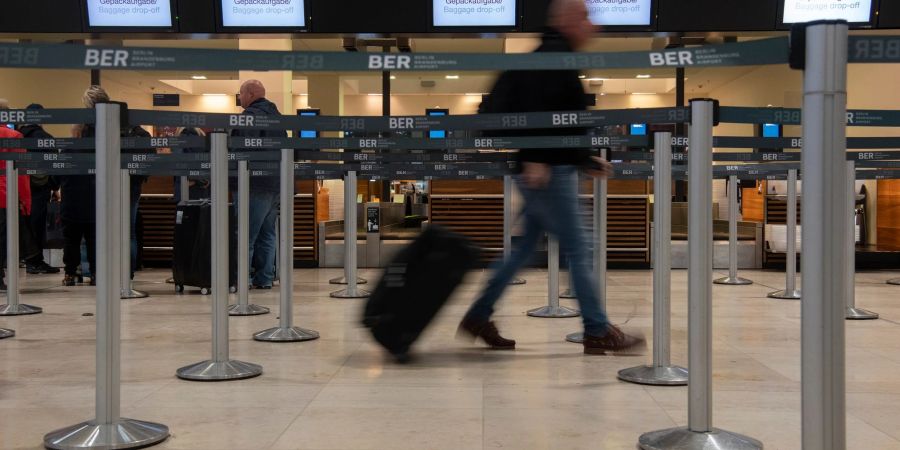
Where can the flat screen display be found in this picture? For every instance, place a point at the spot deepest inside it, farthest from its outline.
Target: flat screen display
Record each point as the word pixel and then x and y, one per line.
pixel 771 130
pixel 263 13
pixel 638 129
pixel 474 13
pixel 620 12
pixel 129 13
pixel 801 11
pixel 308 134
pixel 437 134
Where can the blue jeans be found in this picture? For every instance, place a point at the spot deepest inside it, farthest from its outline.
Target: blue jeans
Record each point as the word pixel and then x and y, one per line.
pixel 552 210
pixel 263 214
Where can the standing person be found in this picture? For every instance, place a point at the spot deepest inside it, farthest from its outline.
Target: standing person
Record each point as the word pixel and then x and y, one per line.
pixel 547 182
pixel 264 191
pixel 24 195
pixel 78 202
pixel 41 192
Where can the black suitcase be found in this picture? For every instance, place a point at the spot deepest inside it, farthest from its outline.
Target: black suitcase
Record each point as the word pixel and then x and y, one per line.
pixel 191 255
pixel 415 286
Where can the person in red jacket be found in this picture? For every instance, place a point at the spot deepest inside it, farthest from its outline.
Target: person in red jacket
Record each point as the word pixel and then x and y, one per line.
pixel 24 194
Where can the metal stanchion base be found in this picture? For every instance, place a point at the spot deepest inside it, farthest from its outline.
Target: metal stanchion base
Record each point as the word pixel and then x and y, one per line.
pixel 128 294
pixel 568 293
pixel 4 333
pixel 343 280
pixel 553 312
pixel 894 281
pixel 19 310
pixel 576 338
pixel 125 433
pixel 655 375
pixel 219 371
pixel 345 293
pixel 685 439
pixel 247 310
pixel 517 282
pixel 736 281
pixel 293 334
pixel 860 314
pixel 785 295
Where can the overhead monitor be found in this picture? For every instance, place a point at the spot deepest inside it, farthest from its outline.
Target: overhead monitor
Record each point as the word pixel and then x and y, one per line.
pixel 129 15
pixel 474 13
pixel 858 12
pixel 308 134
pixel 771 130
pixel 437 134
pixel 261 14
pixel 628 13
pixel 638 129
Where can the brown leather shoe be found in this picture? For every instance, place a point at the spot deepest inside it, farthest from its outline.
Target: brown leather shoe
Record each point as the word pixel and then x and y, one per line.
pixel 488 332
pixel 614 341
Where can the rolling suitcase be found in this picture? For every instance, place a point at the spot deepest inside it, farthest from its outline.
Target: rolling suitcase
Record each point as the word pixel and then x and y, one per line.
pixel 191 255
pixel 415 286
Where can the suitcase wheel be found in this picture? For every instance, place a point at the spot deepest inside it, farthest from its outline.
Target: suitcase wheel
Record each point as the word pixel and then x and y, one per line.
pixel 232 289
pixel 179 288
pixel 204 291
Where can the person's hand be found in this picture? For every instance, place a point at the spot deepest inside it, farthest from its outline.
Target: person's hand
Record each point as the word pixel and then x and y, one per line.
pixel 536 175
pixel 599 167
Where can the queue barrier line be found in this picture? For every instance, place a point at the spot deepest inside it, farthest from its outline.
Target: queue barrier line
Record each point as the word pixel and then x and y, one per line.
pixel 59 56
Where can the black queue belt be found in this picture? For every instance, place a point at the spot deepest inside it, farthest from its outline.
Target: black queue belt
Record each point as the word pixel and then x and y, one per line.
pixel 57 56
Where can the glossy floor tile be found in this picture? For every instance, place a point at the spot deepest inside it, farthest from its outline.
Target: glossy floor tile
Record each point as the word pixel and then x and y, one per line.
pixel 341 393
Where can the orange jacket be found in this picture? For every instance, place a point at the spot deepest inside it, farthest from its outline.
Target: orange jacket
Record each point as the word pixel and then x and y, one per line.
pixel 24 183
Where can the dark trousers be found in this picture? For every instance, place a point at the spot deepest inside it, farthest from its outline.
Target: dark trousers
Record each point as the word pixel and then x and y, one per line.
pixel 40 200
pixel 74 232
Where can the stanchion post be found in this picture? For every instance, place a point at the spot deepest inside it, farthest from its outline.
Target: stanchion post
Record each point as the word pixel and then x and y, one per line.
pixel 553 308
pixel 790 291
pixel 699 433
pixel 733 279
pixel 662 372
pixel 12 306
pixel 243 306
pixel 601 209
pixel 108 429
pixel 219 367
pixel 6 333
pixel 825 224
pixel 125 270
pixel 569 293
pixel 853 313
pixel 286 331
pixel 508 220
pixel 185 188
pixel 350 249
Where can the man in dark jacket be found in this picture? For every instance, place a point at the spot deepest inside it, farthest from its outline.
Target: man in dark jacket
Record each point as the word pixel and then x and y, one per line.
pixel 547 180
pixel 264 191
pixel 41 191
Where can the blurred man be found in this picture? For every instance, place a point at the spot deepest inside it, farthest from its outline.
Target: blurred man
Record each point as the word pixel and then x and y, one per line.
pixel 547 181
pixel 41 191
pixel 264 192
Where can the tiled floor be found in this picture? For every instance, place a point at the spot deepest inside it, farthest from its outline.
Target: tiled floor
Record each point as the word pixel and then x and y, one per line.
pixel 339 393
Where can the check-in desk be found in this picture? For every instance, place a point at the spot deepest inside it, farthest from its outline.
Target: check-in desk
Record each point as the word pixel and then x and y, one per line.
pixel 383 229
pixel 750 240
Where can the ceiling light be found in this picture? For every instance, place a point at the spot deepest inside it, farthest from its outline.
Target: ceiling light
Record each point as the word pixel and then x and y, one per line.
pixel 643 93
pixel 393 77
pixel 643 76
pixel 215 95
pixel 374 95
pixel 581 77
pixel 198 77
pixel 452 77
pixel 475 93
pixel 597 79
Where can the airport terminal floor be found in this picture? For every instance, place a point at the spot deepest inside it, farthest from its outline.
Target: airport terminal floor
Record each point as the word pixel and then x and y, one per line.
pixel 340 392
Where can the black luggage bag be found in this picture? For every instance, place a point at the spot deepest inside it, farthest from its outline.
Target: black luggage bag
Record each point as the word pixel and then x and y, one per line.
pixel 415 286
pixel 191 255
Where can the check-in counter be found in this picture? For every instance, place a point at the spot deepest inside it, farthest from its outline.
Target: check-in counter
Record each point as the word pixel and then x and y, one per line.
pixel 383 229
pixel 750 240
